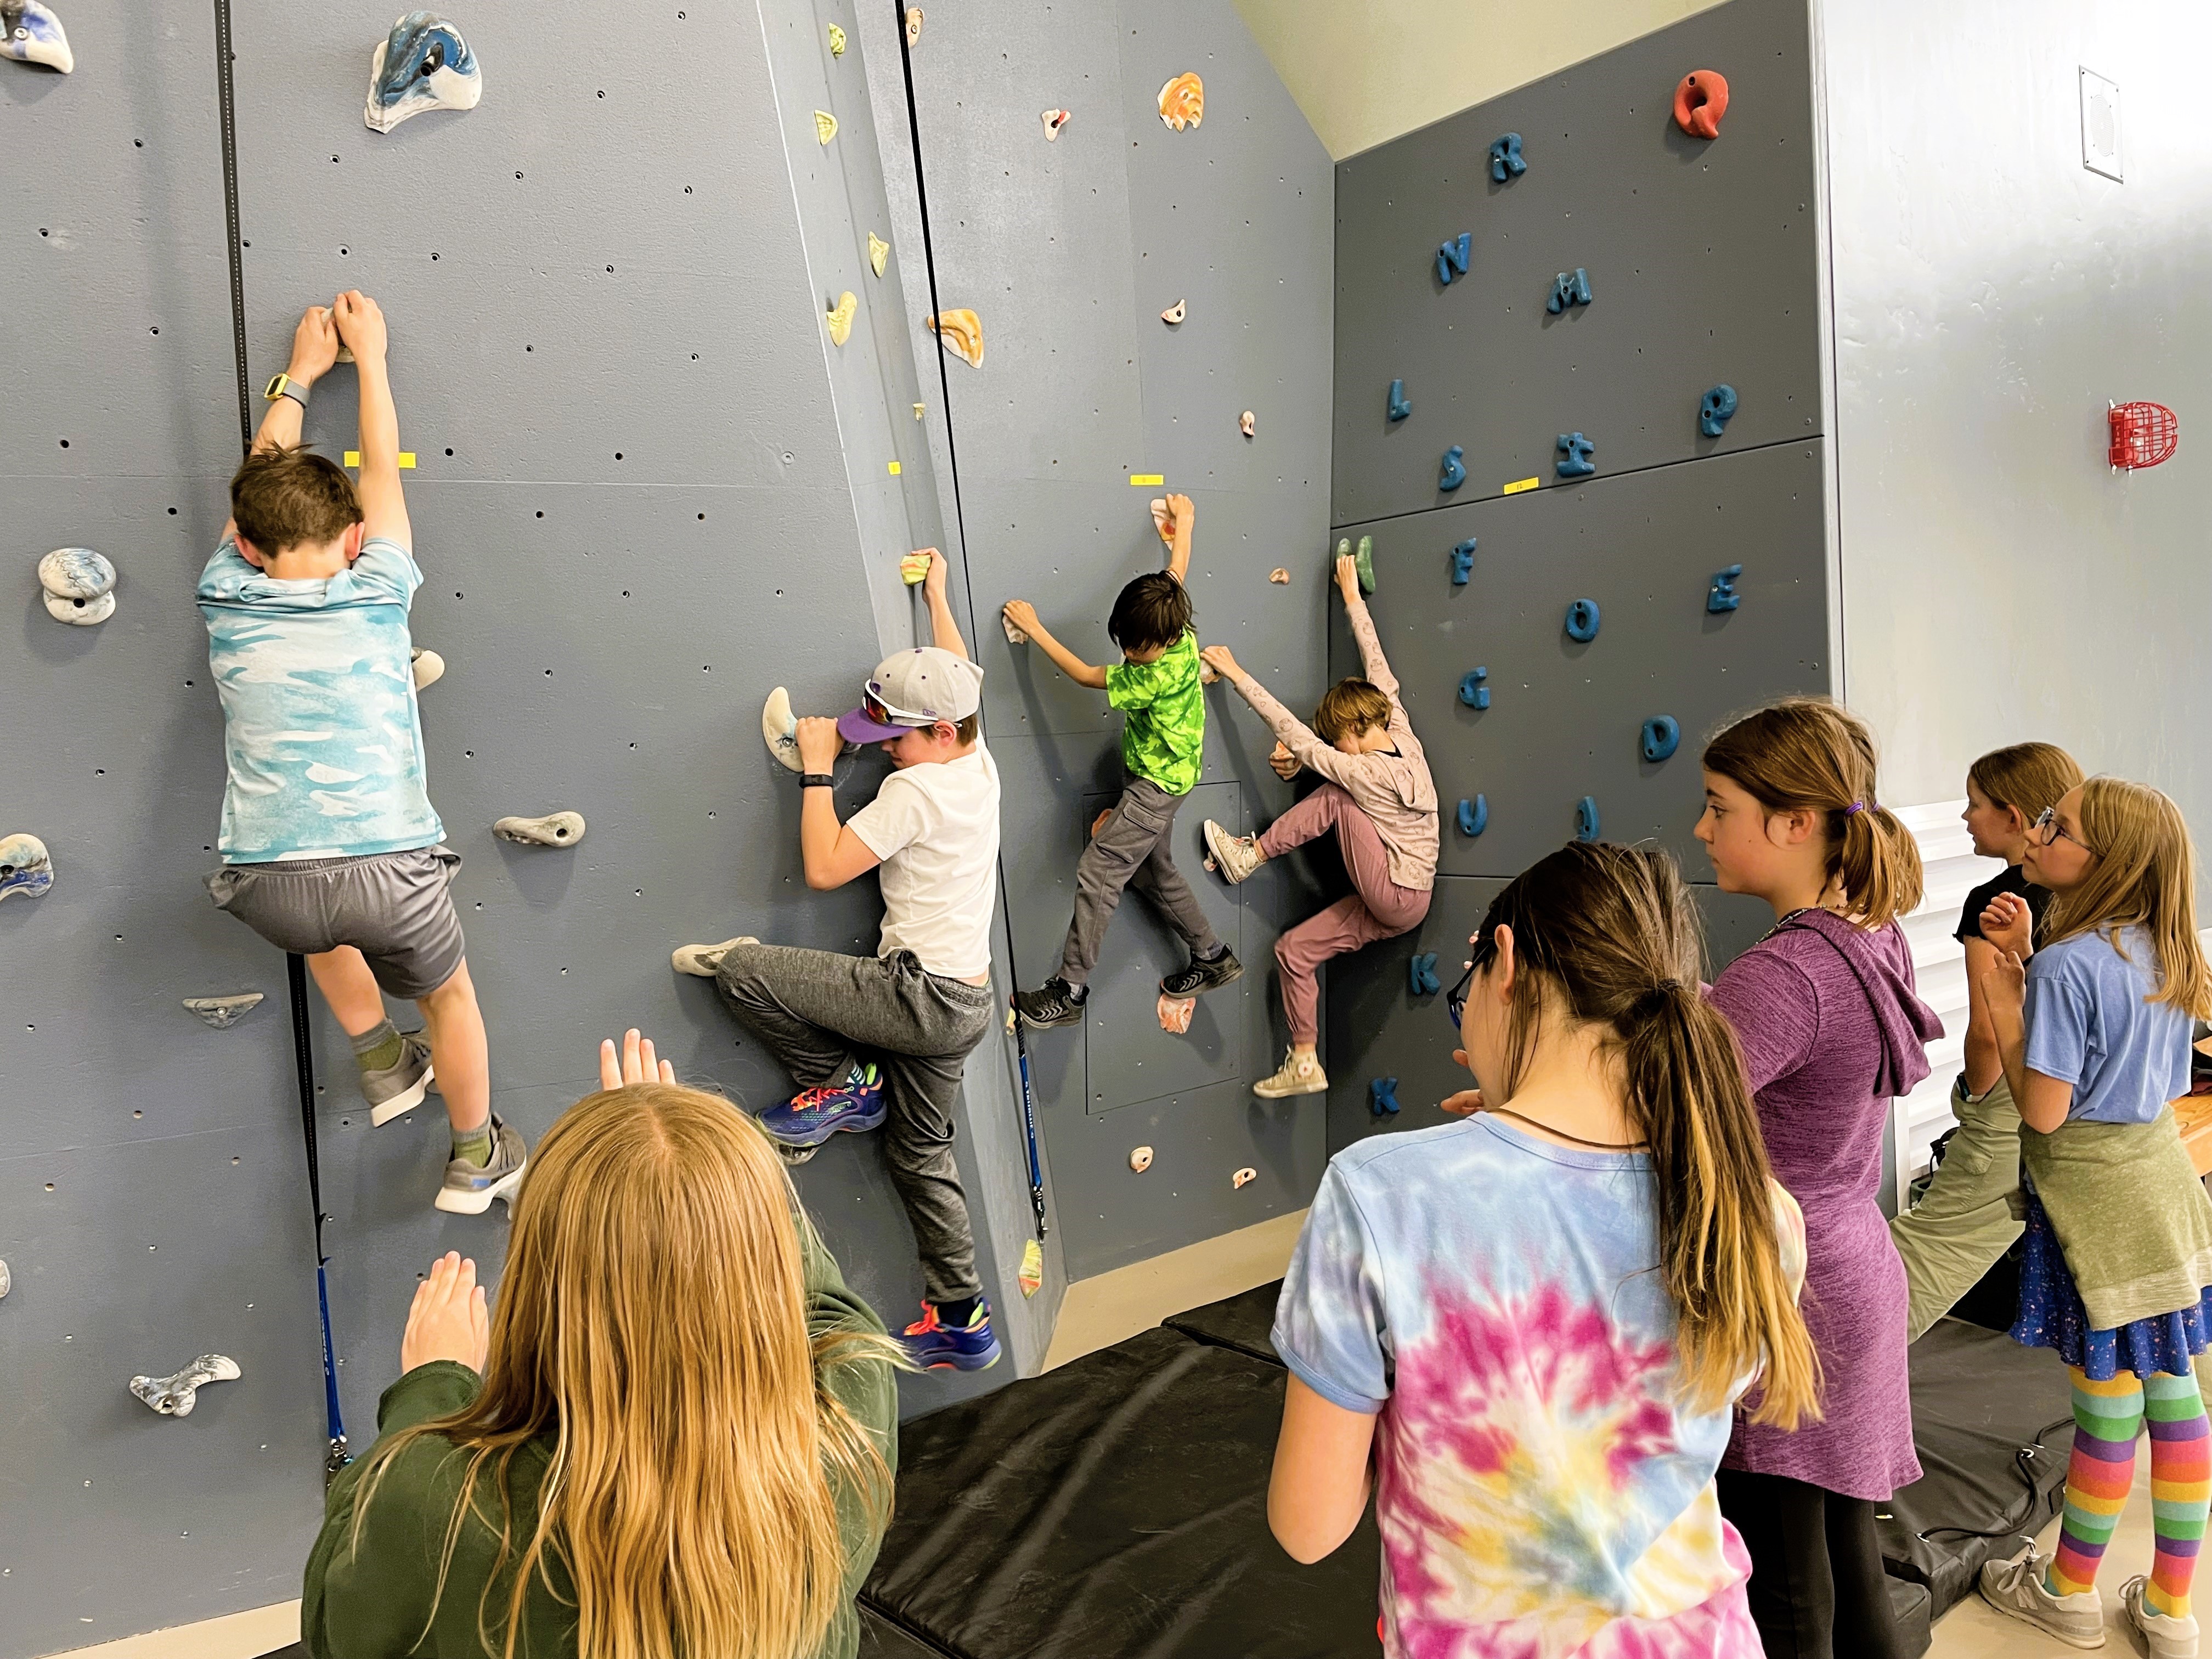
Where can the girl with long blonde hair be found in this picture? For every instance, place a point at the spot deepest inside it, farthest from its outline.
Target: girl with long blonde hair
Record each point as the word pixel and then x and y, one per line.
pixel 672 1439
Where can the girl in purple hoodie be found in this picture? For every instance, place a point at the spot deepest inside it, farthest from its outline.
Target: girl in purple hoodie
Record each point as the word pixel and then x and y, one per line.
pixel 1832 1030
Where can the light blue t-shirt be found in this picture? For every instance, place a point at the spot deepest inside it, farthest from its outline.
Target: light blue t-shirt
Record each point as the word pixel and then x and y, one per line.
pixel 320 723
pixel 2089 1024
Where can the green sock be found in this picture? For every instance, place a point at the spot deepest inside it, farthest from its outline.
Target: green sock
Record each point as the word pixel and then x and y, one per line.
pixel 379 1051
pixel 474 1144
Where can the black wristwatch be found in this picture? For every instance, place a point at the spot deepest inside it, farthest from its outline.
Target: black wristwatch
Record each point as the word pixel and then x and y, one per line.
pixel 818 780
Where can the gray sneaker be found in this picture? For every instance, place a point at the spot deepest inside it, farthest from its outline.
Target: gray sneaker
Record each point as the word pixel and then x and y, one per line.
pixel 1235 856
pixel 400 1086
pixel 2014 1588
pixel 703 960
pixel 2167 1638
pixel 470 1191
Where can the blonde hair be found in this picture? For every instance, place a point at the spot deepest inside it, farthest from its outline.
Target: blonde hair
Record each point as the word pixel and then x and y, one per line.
pixel 651 1321
pixel 2145 876
pixel 1807 754
pixel 2026 776
pixel 1611 929
pixel 1349 708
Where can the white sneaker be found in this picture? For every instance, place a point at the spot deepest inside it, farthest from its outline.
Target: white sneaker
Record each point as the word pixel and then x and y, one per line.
pixel 2015 1587
pixel 1235 856
pixel 1296 1077
pixel 2167 1638
pixel 702 960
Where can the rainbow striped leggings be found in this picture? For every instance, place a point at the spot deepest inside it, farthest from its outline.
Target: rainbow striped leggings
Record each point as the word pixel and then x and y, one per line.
pixel 2107 1417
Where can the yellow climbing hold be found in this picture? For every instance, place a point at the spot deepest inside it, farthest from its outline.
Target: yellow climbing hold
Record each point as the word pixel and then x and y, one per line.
pixel 914 567
pixel 880 252
pixel 836 41
pixel 913 24
pixel 961 333
pixel 841 317
pixel 1182 102
pixel 825 123
pixel 918 409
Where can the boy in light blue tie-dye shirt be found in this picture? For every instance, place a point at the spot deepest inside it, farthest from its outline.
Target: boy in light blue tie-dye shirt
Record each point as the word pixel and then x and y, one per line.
pixel 330 847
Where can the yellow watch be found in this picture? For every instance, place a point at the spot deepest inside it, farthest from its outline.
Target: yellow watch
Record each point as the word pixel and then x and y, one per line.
pixel 283 385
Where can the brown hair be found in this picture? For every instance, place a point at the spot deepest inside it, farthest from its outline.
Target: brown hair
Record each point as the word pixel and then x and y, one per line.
pixel 2025 776
pixel 1350 706
pixel 286 498
pixel 1609 932
pixel 2145 876
pixel 1152 611
pixel 1807 754
pixel 651 1324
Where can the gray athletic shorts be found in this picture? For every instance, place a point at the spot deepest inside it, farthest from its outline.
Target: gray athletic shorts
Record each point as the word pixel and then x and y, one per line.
pixel 390 907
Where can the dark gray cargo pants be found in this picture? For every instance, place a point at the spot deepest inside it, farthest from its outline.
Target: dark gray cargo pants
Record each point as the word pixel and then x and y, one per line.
pixel 1133 848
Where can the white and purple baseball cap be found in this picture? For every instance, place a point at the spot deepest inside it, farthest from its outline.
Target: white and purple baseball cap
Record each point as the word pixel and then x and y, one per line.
pixel 913 689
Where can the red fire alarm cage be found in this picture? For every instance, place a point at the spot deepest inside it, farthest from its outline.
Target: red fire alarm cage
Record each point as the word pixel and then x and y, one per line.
pixel 2143 435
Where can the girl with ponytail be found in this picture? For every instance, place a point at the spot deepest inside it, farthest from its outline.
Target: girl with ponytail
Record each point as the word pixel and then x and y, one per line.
pixel 1537 1322
pixel 1832 1030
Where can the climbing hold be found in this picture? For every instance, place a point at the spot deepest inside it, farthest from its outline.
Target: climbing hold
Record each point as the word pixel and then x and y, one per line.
pixel 422 64
pixel 424 667
pixel 1452 256
pixel 1053 120
pixel 82 613
pixel 913 24
pixel 223 1012
pixel 918 409
pixel 1175 1013
pixel 1700 101
pixel 1363 561
pixel 1723 596
pixel 1568 288
pixel 79 584
pixel 779 728
pixel 1586 818
pixel 961 333
pixel 24 866
pixel 914 567
pixel 1663 735
pixel 840 318
pixel 1421 972
pixel 1505 161
pixel 825 126
pixel 1581 621
pixel 1140 1159
pixel 836 41
pixel 31 33
pixel 1400 405
pixel 1182 102
pixel 1463 562
pixel 1014 635
pixel 880 252
pixel 7 1280
pixel 1030 1277
pixel 1576 463
pixel 1473 816
pixel 1280 576
pixel 1454 473
pixel 1244 1178
pixel 1471 690
pixel 1247 423
pixel 1174 314
pixel 1382 1096
pixel 176 1396
pixel 1715 410
pixel 554 830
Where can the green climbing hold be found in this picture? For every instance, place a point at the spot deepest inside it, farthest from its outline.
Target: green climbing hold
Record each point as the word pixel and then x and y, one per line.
pixel 1364 559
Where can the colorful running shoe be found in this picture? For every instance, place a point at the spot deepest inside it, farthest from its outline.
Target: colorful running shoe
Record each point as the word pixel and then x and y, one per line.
pixel 935 1346
pixel 813 1116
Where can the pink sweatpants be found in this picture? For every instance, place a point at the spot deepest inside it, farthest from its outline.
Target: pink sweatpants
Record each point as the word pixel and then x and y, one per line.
pixel 1379 909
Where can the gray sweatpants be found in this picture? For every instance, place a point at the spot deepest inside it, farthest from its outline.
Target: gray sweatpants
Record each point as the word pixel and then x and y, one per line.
pixel 1133 847
pixel 819 1011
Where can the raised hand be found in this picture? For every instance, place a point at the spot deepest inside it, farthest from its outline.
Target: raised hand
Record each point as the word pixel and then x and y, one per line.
pixel 1347 578
pixel 314 345
pixel 1219 658
pixel 448 1320
pixel 637 1063
pixel 360 324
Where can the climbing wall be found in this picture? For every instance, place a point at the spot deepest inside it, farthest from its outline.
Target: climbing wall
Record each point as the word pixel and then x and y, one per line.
pixel 1625 271
pixel 1086 405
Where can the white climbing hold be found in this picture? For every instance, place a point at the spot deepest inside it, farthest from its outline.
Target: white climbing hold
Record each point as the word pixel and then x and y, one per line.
pixel 423 64
pixel 75 573
pixel 81 613
pixel 427 667
pixel 554 830
pixel 879 252
pixel 1243 1177
pixel 1054 120
pixel 24 866
pixel 223 1012
pixel 35 35
pixel 7 1280
pixel 1014 635
pixel 913 24
pixel 1247 422
pixel 779 729
pixel 1141 1159
pixel 1174 314
pixel 176 1396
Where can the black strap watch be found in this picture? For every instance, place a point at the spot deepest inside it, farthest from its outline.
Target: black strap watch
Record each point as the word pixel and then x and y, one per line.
pixel 818 780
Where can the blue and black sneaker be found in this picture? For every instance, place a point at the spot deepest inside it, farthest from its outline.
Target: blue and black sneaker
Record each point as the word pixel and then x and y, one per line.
pixel 813 1116
pixel 935 1346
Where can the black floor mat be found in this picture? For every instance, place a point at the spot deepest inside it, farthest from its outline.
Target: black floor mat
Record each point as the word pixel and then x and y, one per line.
pixel 1241 1322
pixel 882 1639
pixel 1908 1606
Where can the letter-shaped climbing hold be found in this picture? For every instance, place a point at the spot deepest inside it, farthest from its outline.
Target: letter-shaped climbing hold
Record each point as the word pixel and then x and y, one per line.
pixel 176 1396
pixel 1382 1097
pixel 840 318
pixel 1581 621
pixel 1568 288
pixel 1715 409
pixel 1363 561
pixel 1663 735
pixel 1421 973
pixel 1452 256
pixel 25 867
pixel 1400 405
pixel 1575 462
pixel 1586 818
pixel 1454 472
pixel 422 64
pixel 1505 161
pixel 554 830
pixel 1473 816
pixel 1700 101
pixel 1463 562
pixel 223 1012
pixel 1723 596
pixel 1471 690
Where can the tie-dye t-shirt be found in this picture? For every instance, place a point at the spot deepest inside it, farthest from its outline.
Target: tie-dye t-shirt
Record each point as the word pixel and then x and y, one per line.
pixel 1540 1490
pixel 319 722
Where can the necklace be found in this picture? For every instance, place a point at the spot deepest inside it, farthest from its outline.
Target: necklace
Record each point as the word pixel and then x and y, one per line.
pixel 1594 1145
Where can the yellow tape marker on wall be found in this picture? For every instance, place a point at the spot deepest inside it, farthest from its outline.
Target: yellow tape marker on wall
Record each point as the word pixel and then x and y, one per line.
pixel 1524 484
pixel 1147 480
pixel 406 458
pixel 895 469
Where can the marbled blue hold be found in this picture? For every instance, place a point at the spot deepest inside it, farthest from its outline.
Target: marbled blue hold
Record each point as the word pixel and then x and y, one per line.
pixel 423 64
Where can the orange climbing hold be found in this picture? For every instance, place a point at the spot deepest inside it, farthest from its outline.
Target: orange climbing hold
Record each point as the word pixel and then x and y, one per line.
pixel 961 333
pixel 1182 102
pixel 1175 1013
pixel 1700 101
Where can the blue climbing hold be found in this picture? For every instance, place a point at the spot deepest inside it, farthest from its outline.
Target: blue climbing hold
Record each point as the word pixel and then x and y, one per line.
pixel 1454 470
pixel 1581 621
pixel 1462 557
pixel 1568 288
pixel 1723 596
pixel 1586 818
pixel 1382 1097
pixel 1473 816
pixel 1452 256
pixel 1421 972
pixel 1663 735
pixel 1576 463
pixel 1715 410
pixel 1505 161
pixel 1400 405
pixel 1471 690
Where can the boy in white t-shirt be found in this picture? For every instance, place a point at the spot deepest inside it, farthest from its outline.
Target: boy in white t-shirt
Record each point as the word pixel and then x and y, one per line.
pixel 881 1041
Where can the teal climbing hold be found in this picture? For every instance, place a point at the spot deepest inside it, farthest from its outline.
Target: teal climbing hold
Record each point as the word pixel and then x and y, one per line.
pixel 1568 288
pixel 1723 596
pixel 1382 1097
pixel 1455 469
pixel 1471 690
pixel 1473 816
pixel 1421 973
pixel 1505 161
pixel 1576 463
pixel 1462 565
pixel 1663 735
pixel 1452 256
pixel 1581 621
pixel 1400 405
pixel 1586 818
pixel 1715 410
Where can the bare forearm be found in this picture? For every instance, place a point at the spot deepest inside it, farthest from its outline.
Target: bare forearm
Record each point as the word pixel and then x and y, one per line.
pixel 2008 1034
pixel 819 829
pixel 1068 663
pixel 379 420
pixel 280 426
pixel 943 632
pixel 1983 1064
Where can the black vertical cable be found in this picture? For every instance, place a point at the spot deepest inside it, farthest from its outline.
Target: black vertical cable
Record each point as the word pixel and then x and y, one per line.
pixel 226 106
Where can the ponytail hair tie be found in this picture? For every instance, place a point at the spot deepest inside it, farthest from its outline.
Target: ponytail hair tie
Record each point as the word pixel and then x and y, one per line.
pixel 1856 807
pixel 1653 1001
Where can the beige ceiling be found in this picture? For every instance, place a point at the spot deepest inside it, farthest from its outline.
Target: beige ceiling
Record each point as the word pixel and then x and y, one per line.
pixel 1366 70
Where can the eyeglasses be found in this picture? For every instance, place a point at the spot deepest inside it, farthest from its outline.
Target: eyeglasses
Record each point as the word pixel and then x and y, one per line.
pixel 2047 824
pixel 1456 999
